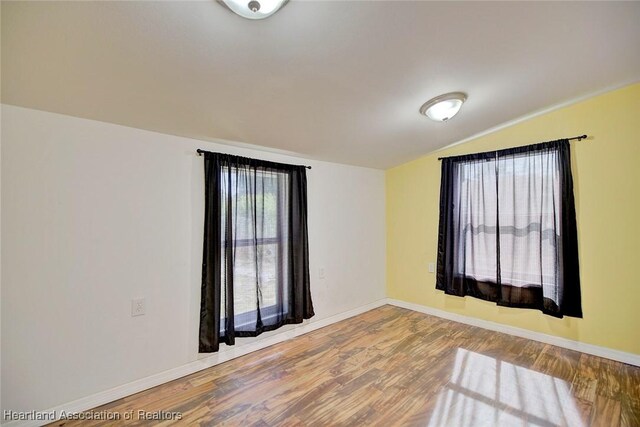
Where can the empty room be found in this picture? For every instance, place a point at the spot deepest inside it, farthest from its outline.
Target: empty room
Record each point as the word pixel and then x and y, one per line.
pixel 320 213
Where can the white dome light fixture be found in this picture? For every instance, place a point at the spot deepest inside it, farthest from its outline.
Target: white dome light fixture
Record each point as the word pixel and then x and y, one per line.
pixel 254 9
pixel 443 107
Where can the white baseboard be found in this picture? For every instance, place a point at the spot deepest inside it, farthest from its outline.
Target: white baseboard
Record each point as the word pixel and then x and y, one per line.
pixel 607 353
pixel 228 353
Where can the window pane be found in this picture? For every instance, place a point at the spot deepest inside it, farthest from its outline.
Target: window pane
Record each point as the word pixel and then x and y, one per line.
pixel 255 274
pixel 529 194
pixel 477 195
pixel 257 220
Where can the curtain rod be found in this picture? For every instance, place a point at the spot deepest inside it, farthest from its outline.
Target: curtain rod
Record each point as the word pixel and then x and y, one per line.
pixel 200 152
pixel 578 138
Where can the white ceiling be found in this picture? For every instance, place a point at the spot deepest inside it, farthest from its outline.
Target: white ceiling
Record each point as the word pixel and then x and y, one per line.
pixel 339 81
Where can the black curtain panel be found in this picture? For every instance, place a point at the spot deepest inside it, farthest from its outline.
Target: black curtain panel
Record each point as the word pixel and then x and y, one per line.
pixel 255 268
pixel 508 228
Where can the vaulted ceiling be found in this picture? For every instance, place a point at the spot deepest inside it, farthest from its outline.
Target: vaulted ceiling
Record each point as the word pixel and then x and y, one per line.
pixel 333 80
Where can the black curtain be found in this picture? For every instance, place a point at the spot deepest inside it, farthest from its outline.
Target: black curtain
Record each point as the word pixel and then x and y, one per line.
pixel 255 266
pixel 508 228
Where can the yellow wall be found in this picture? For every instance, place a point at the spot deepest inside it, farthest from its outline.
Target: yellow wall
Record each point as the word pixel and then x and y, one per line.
pixel 606 172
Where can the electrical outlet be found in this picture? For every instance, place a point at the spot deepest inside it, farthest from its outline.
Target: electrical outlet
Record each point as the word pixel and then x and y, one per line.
pixel 432 267
pixel 321 273
pixel 138 307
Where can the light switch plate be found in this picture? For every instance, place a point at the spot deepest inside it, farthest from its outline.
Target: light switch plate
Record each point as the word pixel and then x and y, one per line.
pixel 432 267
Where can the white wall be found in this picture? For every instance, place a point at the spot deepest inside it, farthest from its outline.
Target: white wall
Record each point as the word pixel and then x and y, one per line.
pixel 96 214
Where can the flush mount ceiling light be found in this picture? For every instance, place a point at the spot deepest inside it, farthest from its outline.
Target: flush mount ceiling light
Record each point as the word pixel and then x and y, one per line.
pixel 254 9
pixel 443 107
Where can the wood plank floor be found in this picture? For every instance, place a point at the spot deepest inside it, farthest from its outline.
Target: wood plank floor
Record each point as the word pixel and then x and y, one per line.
pixel 395 367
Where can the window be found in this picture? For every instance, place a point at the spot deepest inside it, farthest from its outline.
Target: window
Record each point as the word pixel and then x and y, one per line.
pixel 255 273
pixel 259 239
pixel 507 228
